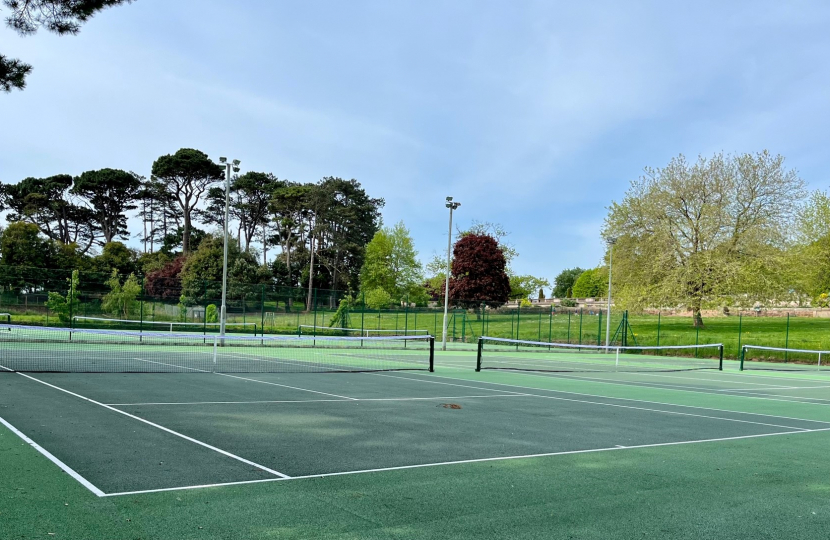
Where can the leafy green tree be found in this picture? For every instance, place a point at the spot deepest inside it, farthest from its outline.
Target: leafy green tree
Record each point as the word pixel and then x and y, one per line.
pixel 201 273
pixel 122 300
pixel 377 299
pixel 187 175
pixel 810 256
pixel 58 16
pixel 116 257
pixel 521 287
pixel 691 233
pixel 111 193
pixel 211 314
pixel 564 281
pixel 591 283
pixel 391 263
pixel 66 306
pixel 26 258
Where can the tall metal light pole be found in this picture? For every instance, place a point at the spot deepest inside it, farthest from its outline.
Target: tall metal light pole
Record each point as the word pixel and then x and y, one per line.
pixel 452 206
pixel 611 241
pixel 223 314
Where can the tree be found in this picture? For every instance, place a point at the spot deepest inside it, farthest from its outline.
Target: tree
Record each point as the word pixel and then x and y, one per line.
pixel 65 306
pixel 811 253
pixel 591 283
pixel 58 16
pixel 478 273
pixel 391 263
pixel 521 287
pixel 187 174
pixel 564 281
pixel 22 245
pixel 689 234
pixel 289 211
pixel 498 232
pixel 159 209
pixel 121 301
pixel 111 193
pixel 201 274
pixel 250 195
pixel 49 204
pixel 166 283
pixel 116 256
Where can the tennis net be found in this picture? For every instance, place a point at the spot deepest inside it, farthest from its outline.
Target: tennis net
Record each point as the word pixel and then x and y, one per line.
pixel 756 357
pixel 156 326
pixel 311 330
pixel 45 349
pixel 519 355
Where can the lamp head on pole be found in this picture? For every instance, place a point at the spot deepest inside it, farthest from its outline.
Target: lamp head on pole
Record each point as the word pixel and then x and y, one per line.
pixel 452 205
pixel 610 240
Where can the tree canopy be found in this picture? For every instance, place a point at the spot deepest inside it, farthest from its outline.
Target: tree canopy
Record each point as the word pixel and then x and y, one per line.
pixel 478 273
pixel 391 264
pixel 57 16
pixel 692 233
pixel 564 282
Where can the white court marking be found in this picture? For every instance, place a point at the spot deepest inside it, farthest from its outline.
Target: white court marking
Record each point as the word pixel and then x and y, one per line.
pixel 648 385
pixel 315 400
pixel 467 461
pixel 167 430
pixel 48 455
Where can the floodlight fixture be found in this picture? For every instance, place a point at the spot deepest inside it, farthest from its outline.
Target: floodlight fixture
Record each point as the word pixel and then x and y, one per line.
pixel 223 159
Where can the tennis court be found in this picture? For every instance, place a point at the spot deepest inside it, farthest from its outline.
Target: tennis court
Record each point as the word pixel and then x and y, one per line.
pixel 126 432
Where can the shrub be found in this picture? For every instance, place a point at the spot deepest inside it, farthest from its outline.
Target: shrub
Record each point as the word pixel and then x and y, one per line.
pixel 211 314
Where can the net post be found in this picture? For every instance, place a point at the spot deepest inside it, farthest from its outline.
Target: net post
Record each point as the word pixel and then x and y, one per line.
pixel 478 354
pixel 743 354
pixel 432 354
pixel 720 361
pixel 215 344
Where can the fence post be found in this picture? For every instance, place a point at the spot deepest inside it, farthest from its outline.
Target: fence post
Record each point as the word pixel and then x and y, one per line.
pixel 539 332
pixel 141 308
pixel 314 301
pixel 580 326
pixel 569 327
pixel 787 339
pixel 658 328
pixel 518 315
pixel 550 324
pixel 362 314
pixel 406 318
pixel 740 329
pixel 262 310
pixel 599 329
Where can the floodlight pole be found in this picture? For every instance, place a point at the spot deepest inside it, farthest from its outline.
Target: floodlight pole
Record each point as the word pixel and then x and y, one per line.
pixel 611 242
pixel 223 313
pixel 452 206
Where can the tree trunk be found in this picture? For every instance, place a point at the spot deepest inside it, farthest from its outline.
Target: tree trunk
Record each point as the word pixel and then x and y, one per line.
pixel 186 234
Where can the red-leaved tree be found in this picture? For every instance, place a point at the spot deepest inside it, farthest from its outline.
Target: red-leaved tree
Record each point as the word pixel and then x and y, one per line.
pixel 479 274
pixel 166 283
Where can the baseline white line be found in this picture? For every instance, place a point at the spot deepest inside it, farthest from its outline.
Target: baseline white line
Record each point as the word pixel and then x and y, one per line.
pixel 468 461
pixel 610 398
pixel 167 430
pixel 244 378
pixel 310 400
pixel 48 455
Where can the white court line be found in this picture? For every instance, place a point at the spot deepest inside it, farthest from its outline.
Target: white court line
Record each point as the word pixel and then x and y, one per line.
pixel 675 388
pixel 286 386
pixel 245 379
pixel 48 455
pixel 167 430
pixel 313 400
pixel 593 396
pixel 467 461
pixel 620 406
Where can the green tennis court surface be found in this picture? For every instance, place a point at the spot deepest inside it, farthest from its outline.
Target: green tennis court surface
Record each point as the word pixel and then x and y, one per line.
pixel 413 454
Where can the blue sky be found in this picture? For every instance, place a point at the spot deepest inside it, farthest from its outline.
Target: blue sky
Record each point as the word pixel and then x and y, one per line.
pixel 535 115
